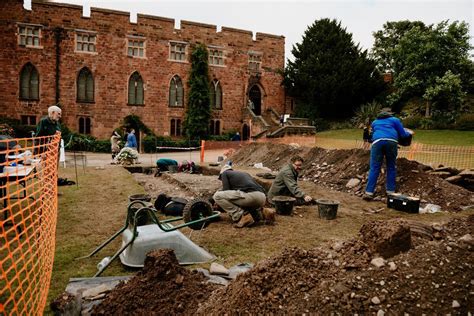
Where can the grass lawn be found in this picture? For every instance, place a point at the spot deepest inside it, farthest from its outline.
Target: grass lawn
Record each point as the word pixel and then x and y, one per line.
pixel 436 137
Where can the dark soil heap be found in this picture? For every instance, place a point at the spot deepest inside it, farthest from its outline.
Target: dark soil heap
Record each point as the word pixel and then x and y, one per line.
pixel 435 277
pixel 334 168
pixel 163 287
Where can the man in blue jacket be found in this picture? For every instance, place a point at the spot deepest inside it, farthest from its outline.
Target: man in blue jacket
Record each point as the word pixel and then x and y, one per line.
pixel 386 131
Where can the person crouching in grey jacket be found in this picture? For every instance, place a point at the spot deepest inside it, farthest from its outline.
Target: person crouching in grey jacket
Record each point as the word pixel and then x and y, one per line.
pixel 286 184
pixel 240 194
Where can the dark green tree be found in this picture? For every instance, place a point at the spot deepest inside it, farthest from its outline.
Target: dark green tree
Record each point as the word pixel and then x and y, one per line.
pixel 330 76
pixel 432 63
pixel 198 114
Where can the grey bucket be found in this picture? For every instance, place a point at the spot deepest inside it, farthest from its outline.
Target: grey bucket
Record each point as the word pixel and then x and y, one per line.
pixel 327 208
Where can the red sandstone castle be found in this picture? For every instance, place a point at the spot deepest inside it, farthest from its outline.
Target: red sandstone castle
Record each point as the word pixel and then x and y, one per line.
pixel 103 67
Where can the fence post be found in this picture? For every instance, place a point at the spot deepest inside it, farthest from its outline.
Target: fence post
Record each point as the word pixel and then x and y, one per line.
pixel 412 151
pixel 203 144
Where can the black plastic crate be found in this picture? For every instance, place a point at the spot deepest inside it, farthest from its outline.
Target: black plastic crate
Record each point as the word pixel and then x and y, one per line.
pixel 403 203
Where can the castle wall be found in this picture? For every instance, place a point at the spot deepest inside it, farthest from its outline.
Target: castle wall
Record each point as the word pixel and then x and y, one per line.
pixel 111 67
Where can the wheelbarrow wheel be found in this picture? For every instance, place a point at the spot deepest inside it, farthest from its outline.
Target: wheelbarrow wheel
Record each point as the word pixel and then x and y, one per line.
pixel 197 209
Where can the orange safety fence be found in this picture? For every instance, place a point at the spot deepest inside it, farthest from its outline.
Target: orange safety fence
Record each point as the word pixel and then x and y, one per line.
pixel 28 187
pixel 461 157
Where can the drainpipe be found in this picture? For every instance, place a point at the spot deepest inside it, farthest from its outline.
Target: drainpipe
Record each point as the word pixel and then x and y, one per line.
pixel 58 31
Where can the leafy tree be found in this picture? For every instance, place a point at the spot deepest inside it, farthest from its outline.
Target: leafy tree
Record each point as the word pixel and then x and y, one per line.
pixel 330 76
pixel 387 39
pixel 198 113
pixel 431 62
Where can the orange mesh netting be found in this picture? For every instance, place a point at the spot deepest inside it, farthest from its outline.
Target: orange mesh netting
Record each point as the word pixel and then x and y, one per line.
pixel 28 183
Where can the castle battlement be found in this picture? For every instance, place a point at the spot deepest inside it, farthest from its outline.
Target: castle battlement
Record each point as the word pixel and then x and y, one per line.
pixel 156 22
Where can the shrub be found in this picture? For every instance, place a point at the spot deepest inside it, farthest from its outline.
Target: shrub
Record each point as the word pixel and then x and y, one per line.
pixel 465 122
pixel 413 122
pixel 101 146
pixel 15 128
pixel 443 119
pixel 321 124
pixel 366 113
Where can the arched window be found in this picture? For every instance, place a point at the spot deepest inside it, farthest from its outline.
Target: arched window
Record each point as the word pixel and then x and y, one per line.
pixel 29 83
pixel 216 95
pixel 175 127
pixel 135 89
pixel 215 127
pixel 85 86
pixel 84 125
pixel 176 92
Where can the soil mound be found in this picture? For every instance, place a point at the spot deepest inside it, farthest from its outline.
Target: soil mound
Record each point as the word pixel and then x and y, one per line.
pixel 163 287
pixel 434 277
pixel 387 238
pixel 335 168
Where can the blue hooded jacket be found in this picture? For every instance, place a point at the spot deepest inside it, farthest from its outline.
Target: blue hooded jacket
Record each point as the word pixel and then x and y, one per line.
pixel 388 127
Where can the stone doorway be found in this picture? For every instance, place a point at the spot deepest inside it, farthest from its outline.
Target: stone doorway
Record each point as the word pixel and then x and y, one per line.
pixel 255 96
pixel 245 132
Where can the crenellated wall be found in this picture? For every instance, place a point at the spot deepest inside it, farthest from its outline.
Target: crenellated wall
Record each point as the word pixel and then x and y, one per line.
pixel 111 67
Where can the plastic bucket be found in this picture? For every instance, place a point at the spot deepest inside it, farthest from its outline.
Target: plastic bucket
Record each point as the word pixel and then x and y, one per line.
pixel 143 218
pixel 327 208
pixel 284 204
pixel 173 168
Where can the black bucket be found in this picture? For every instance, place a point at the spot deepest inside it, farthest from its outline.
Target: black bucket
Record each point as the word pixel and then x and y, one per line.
pixel 327 208
pixel 143 218
pixel 139 197
pixel 284 204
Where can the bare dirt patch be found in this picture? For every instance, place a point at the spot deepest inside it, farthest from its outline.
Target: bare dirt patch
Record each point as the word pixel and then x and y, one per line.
pixel 436 277
pixel 334 168
pixel 306 264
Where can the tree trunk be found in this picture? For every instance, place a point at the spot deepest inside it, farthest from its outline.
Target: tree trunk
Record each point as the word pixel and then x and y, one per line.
pixel 428 109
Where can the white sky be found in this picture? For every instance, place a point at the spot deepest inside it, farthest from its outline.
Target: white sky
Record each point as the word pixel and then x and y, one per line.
pixel 292 18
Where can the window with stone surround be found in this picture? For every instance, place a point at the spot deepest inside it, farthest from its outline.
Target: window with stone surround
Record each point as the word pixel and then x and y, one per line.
pixel 176 94
pixel 28 120
pixel 255 61
pixel 29 83
pixel 216 95
pixel 175 127
pixel 29 35
pixel 136 47
pixel 85 86
pixel 85 125
pixel 135 89
pixel 178 51
pixel 215 127
pixel 85 42
pixel 216 57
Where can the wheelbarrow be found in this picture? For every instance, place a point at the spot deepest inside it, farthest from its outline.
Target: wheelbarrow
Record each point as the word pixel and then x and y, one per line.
pixel 143 231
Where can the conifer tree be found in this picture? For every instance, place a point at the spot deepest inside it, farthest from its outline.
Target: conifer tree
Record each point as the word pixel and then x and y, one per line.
pixel 198 114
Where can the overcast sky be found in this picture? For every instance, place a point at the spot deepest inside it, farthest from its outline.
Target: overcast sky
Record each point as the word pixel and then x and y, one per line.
pixel 292 18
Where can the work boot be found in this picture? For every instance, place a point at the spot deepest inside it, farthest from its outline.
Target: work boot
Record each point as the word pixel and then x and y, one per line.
pixel 268 215
pixel 245 221
pixel 368 196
